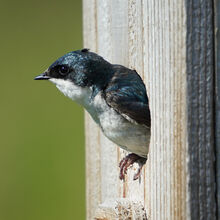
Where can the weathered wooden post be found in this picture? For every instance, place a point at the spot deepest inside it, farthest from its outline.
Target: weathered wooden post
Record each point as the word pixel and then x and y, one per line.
pixel 171 45
pixel 217 99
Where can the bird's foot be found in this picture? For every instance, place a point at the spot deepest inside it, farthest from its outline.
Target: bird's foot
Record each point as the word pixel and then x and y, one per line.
pixel 129 160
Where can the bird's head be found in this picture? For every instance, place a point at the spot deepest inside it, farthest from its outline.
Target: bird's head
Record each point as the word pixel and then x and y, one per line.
pixel 78 72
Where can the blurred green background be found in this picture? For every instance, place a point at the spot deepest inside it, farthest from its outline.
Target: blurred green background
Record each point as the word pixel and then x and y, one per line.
pixel 41 132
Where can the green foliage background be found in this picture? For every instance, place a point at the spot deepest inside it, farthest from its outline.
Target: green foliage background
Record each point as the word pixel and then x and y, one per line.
pixel 41 131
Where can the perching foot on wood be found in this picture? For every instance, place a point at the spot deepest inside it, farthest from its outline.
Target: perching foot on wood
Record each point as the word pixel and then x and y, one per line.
pixel 128 161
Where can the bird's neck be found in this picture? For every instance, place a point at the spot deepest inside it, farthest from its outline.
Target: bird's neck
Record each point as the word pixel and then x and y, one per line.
pixel 82 95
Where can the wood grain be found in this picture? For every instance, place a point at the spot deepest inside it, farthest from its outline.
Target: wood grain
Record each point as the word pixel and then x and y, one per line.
pixel 217 100
pixel 170 44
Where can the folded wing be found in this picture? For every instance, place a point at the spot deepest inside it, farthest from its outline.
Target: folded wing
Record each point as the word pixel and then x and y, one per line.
pixel 126 94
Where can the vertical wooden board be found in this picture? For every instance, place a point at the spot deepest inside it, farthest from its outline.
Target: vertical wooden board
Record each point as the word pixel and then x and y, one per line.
pixel 217 100
pixel 90 24
pixel 93 166
pixel 134 58
pixel 109 162
pixel 119 38
pixel 200 64
pixel 170 44
pixel 93 154
pixel 164 69
pixel 119 31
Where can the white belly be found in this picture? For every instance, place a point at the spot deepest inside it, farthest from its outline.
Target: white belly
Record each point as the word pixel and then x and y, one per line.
pixel 129 136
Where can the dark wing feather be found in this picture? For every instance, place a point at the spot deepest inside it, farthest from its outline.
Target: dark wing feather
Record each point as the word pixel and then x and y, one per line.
pixel 126 93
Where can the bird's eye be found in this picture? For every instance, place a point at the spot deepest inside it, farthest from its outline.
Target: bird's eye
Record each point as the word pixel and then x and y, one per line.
pixel 63 70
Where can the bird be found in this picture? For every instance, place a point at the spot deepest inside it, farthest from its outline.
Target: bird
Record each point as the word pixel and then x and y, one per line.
pixel 115 97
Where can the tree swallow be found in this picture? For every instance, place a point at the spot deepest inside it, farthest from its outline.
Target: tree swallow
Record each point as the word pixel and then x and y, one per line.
pixel 114 96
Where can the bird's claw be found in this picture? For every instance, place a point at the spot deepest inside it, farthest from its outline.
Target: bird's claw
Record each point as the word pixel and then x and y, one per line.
pixel 128 161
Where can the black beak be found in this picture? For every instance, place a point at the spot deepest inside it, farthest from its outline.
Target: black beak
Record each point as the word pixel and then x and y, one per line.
pixel 42 76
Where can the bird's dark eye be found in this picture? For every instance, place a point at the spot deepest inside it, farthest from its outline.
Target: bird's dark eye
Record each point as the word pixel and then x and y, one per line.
pixel 63 70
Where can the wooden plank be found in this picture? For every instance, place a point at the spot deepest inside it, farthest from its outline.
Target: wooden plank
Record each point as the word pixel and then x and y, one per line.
pixel 109 184
pixel 217 100
pixel 170 44
pixel 135 61
pixel 164 65
pixel 200 73
pixel 93 155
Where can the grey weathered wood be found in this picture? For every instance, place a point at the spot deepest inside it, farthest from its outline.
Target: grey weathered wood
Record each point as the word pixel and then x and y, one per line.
pixel 200 85
pixel 170 44
pixel 217 99
pixel 93 165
